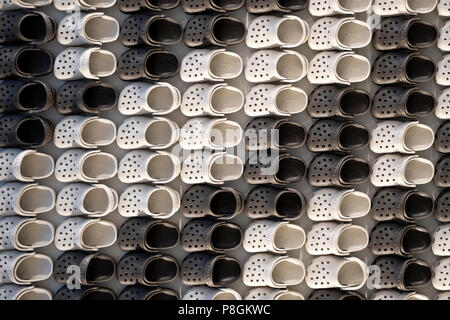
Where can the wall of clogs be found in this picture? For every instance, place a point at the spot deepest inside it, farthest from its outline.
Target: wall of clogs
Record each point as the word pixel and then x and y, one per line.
pixel 114 180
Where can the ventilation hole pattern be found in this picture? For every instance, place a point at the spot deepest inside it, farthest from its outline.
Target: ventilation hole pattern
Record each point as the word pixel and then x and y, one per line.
pixel 8 94
pixel 259 100
pixel 194 204
pixel 131 28
pixel 321 34
pixel 386 171
pixel 7 158
pixel 322 102
pixel 193 269
pixel 259 32
pixel 66 64
pixel 195 30
pixel 384 138
pixel 441 240
pixel 385 204
pixel 66 99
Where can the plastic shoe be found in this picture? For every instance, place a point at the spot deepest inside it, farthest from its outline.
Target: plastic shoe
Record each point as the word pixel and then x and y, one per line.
pixel 205 293
pixel 442 110
pixel 320 8
pixel 153 64
pixel 340 239
pixel 207 201
pixel 27 200
pixel 402 7
pixel 442 208
pixel 147 234
pixel 87 28
pixel 440 245
pixel 84 132
pixel 139 292
pixel 80 199
pixel 25 131
pixel 206 234
pixel 92 97
pixel 32 27
pixel 402 68
pixel 403 137
pixel 71 5
pixel 273 271
pixel 402 102
pixel 24 268
pixel 266 6
pixel 328 170
pixel 23 4
pixel 328 272
pixel 94 268
pixel 335 294
pixel 265 202
pixel 281 170
pixel 25 97
pixel 220 30
pixel 406 240
pixel 143 132
pixel 210 133
pixel 132 6
pixel 330 135
pixel 266 32
pixel 280 134
pixel 84 63
pixel 264 293
pixel 159 202
pixel 211 100
pixel 443 8
pixel 334 101
pixel 85 293
pixel 344 68
pixel 210 65
pixel 25 62
pixel 140 98
pixel 16 292
pixel 404 205
pixel 440 279
pixel 328 204
pixel 212 270
pixel 339 34
pixel 154 30
pixel 148 166
pixel 273 65
pixel 85 234
pixel 162 202
pixel 397 295
pixel 25 165
pixel 145 268
pixel 213 168
pixel 394 272
pixel 404 33
pixel 273 236
pixel 405 171
pixel 278 100
pixel 24 234
pixel 85 166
